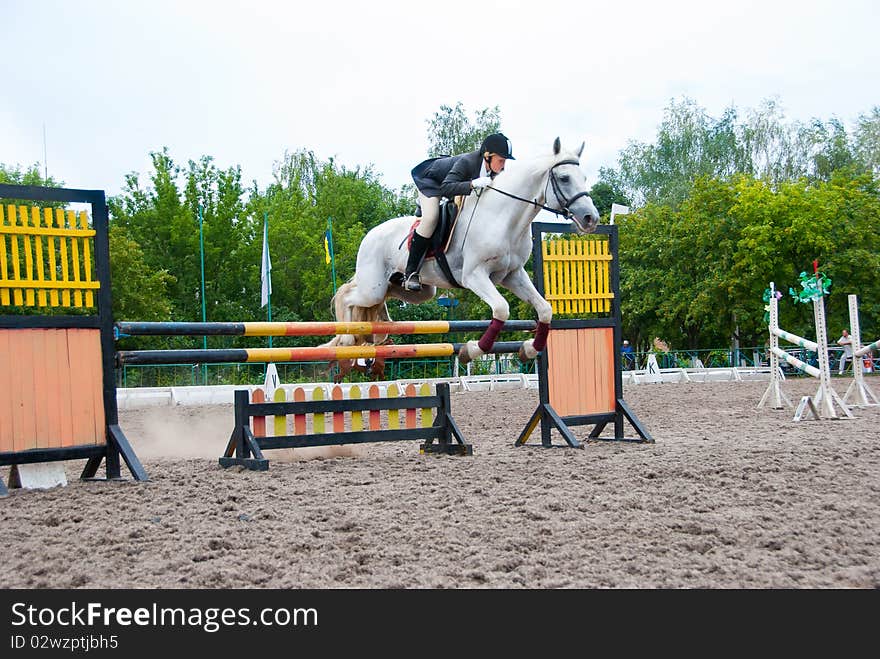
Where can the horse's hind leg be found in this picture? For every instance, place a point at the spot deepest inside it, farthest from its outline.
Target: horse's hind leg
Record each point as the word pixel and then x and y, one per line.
pixel 519 283
pixel 478 281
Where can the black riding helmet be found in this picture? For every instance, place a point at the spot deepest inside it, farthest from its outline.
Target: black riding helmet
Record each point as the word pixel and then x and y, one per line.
pixel 499 144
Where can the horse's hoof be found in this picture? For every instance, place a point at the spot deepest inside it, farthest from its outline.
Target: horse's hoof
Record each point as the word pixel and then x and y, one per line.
pixel 524 355
pixel 464 357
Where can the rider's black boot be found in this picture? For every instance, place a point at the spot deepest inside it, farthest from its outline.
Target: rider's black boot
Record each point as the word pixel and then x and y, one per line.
pixel 416 254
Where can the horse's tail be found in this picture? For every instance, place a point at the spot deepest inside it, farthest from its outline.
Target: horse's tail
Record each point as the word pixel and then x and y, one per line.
pixel 342 312
pixel 337 309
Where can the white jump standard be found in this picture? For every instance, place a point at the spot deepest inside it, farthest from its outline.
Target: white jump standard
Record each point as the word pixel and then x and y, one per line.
pixel 859 389
pixel 822 405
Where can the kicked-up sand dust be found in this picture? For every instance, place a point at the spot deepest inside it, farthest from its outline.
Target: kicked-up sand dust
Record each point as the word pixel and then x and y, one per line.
pixel 727 497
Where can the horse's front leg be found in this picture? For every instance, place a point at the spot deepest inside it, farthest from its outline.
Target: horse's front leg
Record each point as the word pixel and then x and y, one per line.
pixel 520 284
pixel 478 281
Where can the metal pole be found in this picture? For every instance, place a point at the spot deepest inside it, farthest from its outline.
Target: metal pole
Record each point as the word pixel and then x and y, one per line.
pixel 204 313
pixel 268 274
pixel 332 251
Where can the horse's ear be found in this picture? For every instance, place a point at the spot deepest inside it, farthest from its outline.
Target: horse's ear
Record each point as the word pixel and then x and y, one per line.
pixel 581 150
pixel 557 147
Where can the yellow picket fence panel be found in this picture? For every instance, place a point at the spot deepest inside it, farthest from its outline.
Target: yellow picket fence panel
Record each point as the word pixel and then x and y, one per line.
pixel 577 275
pixel 46 258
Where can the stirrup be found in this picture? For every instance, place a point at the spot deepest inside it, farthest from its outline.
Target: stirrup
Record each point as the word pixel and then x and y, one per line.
pixel 413 282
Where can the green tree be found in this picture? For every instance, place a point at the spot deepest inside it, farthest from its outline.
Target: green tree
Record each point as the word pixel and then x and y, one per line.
pixel 607 191
pixel 867 140
pixel 696 274
pixel 138 293
pixel 691 144
pixel 15 175
pixel 450 132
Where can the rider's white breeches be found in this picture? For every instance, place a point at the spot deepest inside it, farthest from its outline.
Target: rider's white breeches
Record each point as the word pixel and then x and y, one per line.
pixel 430 215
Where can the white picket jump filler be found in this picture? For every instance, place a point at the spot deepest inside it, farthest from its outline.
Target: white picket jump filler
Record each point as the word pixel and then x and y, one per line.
pixel 822 404
pixel 864 396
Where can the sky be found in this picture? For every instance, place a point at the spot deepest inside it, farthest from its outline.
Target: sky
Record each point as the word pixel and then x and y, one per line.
pixel 97 85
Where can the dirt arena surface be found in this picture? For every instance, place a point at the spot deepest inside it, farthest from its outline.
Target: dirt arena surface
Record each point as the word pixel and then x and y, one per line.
pixel 728 497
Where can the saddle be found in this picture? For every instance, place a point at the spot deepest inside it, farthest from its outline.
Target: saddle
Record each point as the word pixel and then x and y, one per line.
pixel 441 237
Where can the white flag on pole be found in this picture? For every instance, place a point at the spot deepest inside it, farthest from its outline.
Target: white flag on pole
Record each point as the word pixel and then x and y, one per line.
pixel 618 209
pixel 266 270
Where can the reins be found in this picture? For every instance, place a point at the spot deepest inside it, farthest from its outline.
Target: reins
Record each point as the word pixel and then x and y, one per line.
pixel 564 212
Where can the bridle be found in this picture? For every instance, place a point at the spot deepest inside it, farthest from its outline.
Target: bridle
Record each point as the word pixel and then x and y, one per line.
pixel 557 191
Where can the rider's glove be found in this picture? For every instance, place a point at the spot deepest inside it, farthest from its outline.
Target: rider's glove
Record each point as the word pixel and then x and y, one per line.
pixel 481 182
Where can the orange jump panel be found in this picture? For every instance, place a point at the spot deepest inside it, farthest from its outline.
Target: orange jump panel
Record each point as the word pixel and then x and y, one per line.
pixel 581 370
pixel 51 388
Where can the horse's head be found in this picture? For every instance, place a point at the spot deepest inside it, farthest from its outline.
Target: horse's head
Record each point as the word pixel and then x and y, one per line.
pixel 567 185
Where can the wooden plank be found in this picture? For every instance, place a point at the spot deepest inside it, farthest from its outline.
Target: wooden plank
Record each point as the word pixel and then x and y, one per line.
pixel 4 264
pixel 43 374
pixel 393 415
pixel 583 277
pixel 28 256
pixel 74 261
pixel 596 303
pixel 357 417
pixel 18 298
pixel 87 386
pixel 39 266
pixel 279 427
pixel 560 379
pixel 427 412
pixel 95 364
pixel 548 290
pixel 375 415
pixel 410 413
pixel 318 425
pixel 50 248
pixel 87 259
pixel 299 420
pixel 258 423
pixel 6 392
pixel 66 382
pixel 605 365
pixel 338 417
pixel 65 265
pixel 565 284
pixel 24 424
pixel 606 275
pixel 55 344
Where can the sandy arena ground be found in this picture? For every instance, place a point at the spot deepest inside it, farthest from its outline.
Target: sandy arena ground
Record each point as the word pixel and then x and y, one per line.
pixel 728 497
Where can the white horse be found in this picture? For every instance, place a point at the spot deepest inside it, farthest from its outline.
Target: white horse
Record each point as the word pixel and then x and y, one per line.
pixel 489 247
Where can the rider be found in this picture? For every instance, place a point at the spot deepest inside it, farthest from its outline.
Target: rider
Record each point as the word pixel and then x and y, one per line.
pixel 450 176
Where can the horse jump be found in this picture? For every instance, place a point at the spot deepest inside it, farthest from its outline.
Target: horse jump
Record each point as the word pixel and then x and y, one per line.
pixel 859 389
pixel 579 374
pixel 300 423
pixel 56 371
pixel 826 398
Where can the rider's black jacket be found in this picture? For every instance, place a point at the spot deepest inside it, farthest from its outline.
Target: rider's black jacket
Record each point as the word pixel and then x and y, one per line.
pixel 448 176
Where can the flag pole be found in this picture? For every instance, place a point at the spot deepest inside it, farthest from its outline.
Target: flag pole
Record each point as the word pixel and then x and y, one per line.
pixel 331 251
pixel 204 314
pixel 269 270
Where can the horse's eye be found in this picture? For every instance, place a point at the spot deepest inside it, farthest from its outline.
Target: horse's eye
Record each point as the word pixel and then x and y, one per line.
pixel 565 178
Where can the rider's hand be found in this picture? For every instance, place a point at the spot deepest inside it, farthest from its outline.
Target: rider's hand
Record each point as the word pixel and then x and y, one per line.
pixel 481 182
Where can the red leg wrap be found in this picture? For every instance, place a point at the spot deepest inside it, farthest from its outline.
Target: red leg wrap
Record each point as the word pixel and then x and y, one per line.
pixel 541 336
pixel 488 339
